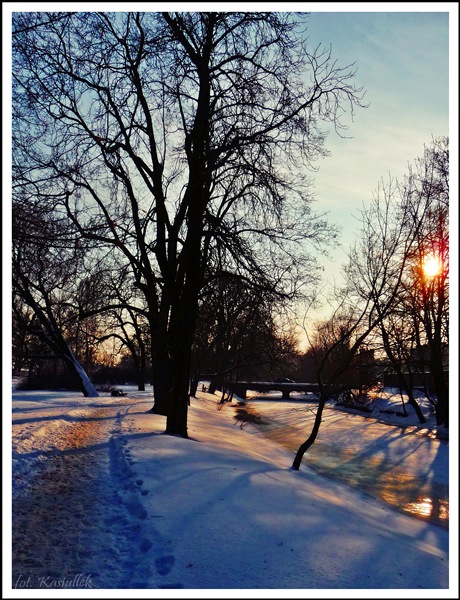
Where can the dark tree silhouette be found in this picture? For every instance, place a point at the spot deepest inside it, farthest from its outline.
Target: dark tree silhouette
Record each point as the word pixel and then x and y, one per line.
pixel 375 280
pixel 43 277
pixel 167 135
pixel 334 347
pixel 236 336
pixel 406 224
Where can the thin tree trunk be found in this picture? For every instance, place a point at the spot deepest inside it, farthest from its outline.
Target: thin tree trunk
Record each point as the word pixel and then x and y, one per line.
pixel 439 378
pixel 194 384
pixel 314 432
pixel 413 402
pixel 86 384
pixel 141 381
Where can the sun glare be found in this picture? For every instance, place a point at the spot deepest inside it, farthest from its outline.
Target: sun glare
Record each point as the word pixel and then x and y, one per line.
pixel 432 266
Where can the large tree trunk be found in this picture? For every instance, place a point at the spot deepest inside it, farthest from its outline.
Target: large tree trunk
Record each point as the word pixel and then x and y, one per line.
pixel 176 421
pixel 184 313
pixel 215 384
pixel 161 368
pixel 181 335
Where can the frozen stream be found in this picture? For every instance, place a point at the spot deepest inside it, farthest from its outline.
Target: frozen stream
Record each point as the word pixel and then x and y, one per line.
pixel 402 466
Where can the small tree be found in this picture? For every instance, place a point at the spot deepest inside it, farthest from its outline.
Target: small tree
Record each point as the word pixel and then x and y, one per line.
pixel 108 294
pixel 334 347
pixel 375 278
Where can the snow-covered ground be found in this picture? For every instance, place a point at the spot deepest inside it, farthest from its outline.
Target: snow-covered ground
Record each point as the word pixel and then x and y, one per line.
pixel 103 500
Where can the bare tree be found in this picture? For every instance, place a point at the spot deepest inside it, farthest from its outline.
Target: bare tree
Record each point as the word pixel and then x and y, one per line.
pixel 375 278
pixel 400 342
pixel 237 335
pixel 334 348
pixel 405 226
pixel 21 318
pixel 107 294
pixel 426 299
pixel 165 135
pixel 43 272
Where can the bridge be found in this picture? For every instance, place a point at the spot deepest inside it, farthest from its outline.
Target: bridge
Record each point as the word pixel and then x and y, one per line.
pixel 241 387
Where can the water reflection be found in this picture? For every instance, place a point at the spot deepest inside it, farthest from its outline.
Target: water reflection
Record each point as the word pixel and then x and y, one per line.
pixel 426 500
pixel 434 509
pixel 369 470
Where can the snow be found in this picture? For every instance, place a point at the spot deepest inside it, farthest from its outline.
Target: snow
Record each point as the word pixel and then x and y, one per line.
pixel 104 501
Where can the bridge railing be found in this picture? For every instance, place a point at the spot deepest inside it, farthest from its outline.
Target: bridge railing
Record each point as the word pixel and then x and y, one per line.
pixel 240 388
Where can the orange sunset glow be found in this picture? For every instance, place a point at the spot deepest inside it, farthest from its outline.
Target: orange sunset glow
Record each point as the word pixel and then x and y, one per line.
pixel 432 265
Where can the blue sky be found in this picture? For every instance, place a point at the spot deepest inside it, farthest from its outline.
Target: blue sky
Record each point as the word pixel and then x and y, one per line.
pixel 401 52
pixel 402 60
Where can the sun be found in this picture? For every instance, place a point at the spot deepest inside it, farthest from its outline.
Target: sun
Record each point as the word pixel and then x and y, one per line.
pixel 432 266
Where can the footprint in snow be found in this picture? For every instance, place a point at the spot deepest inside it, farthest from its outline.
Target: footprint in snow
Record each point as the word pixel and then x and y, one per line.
pixel 164 564
pixel 137 510
pixel 145 545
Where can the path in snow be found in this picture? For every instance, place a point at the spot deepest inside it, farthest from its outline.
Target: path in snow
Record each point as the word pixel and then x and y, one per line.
pixel 83 485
